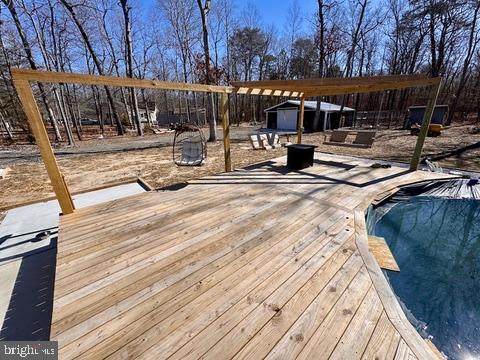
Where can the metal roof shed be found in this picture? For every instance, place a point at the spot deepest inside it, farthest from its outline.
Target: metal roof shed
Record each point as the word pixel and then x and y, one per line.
pixel 416 113
pixel 285 116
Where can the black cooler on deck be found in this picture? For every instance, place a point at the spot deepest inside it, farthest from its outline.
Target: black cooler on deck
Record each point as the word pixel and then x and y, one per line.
pixel 300 156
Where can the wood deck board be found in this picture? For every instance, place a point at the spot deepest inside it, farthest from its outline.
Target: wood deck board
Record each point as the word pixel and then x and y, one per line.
pixel 297 246
pixel 247 316
pixel 384 341
pixel 258 263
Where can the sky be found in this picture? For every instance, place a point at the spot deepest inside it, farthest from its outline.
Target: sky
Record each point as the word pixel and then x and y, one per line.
pixel 275 11
pixel 272 12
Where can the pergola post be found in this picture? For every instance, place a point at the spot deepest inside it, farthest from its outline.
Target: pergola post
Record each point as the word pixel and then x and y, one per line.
pixel 34 118
pixel 300 120
pixel 427 117
pixel 226 132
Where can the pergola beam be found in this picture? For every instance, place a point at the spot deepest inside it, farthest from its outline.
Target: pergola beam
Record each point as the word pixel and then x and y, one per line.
pixel 359 80
pixel 53 77
pixel 322 87
pixel 361 89
pixel 285 88
pixel 74 78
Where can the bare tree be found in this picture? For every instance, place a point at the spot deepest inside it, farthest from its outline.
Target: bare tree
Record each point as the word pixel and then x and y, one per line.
pixel 129 61
pixel 71 9
pixel 473 39
pixel 204 10
pixel 39 30
pixel 113 54
pixel 362 4
pixel 213 44
pixel 5 122
pixel 321 52
pixel 180 16
pixel 28 53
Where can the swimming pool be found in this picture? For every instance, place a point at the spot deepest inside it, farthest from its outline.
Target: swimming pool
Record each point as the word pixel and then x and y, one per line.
pixel 436 243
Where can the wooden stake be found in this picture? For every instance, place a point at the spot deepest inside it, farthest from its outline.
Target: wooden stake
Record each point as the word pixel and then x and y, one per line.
pixel 425 126
pixel 34 118
pixel 226 132
pixel 300 120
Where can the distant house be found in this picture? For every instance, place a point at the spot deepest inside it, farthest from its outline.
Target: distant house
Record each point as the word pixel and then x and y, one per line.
pixel 146 117
pixel 285 116
pixel 178 115
pixel 148 112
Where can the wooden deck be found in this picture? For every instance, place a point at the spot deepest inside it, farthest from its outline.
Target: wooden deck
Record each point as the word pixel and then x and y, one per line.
pixel 254 264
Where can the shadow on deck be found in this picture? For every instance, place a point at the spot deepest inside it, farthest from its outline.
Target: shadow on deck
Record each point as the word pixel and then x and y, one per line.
pixel 29 312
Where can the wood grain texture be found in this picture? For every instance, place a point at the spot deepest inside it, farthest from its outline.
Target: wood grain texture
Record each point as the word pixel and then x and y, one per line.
pixel 384 341
pixel 300 120
pixel 250 264
pixel 380 250
pixel 226 132
pixel 77 78
pixel 337 86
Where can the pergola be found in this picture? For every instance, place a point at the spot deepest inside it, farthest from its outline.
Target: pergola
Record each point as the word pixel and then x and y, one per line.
pixel 22 79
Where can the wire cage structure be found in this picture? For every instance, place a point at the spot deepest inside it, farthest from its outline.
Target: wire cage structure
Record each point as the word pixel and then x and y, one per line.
pixel 189 145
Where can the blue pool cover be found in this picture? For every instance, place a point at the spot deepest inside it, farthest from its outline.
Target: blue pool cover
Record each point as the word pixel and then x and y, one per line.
pixel 436 243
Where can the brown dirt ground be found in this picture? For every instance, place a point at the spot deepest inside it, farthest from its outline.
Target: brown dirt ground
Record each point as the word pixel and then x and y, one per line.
pixel 28 181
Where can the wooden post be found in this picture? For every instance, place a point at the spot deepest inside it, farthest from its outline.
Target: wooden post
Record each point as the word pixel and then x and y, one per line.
pixel 226 132
pixel 300 120
pixel 34 118
pixel 427 117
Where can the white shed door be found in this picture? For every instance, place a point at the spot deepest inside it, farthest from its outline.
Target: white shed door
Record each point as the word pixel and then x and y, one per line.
pixel 287 119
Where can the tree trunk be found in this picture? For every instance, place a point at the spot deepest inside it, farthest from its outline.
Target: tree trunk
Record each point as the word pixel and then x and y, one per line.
pixel 39 32
pixel 129 61
pixel 6 125
pixel 472 44
pixel 212 121
pixel 117 70
pixel 98 110
pixel 65 121
pixel 321 57
pixel 351 53
pixel 185 76
pixel 147 109
pixel 96 61
pixel 28 53
pixel 8 82
pixel 69 106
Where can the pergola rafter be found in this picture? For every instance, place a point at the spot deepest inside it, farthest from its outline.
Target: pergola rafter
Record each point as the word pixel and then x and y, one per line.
pixel 336 86
pixel 285 88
